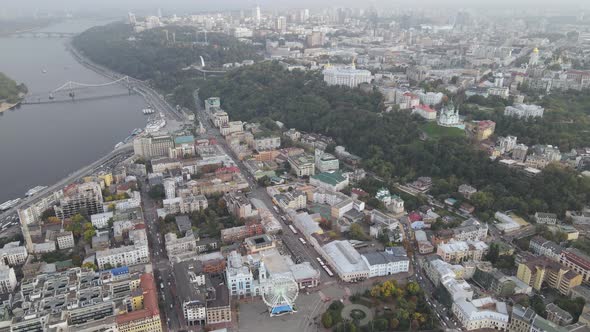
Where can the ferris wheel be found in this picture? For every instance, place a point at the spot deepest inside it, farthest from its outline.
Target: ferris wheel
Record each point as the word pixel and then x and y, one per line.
pixel 280 296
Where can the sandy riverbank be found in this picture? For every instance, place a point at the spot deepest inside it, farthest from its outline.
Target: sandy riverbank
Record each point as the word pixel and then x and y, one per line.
pixel 6 106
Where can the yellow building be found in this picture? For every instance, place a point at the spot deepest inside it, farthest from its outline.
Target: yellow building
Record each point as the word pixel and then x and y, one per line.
pixel 531 274
pixel 536 270
pixel 147 317
pixel 107 178
pixel 570 231
pixel 136 300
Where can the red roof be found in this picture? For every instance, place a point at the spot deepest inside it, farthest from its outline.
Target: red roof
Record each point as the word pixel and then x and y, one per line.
pixel 359 191
pixel 415 216
pixel 231 169
pixel 579 72
pixel 425 108
pixel 577 260
pixel 486 123
pixel 150 302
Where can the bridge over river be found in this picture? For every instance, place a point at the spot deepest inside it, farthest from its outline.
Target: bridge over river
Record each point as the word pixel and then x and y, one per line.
pixel 40 34
pixel 76 91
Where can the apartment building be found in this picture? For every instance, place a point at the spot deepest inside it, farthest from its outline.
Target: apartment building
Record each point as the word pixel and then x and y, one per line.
pixel 460 251
pixel 387 262
pixel 239 205
pixel 101 220
pixel 302 165
pixel 239 233
pixel 539 246
pixel 185 204
pixel 80 197
pixel 266 143
pixel 577 261
pixel 535 271
pixel 7 279
pixel 202 302
pixel 294 200
pixel 123 256
pixel 65 240
pixel 147 317
pixel 13 254
pixel 175 245
pixel 153 146
pixel 482 313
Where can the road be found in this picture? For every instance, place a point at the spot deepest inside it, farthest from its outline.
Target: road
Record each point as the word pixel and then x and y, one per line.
pixel 112 157
pixel 299 251
pixel 162 268
pixel 443 313
pixel 152 97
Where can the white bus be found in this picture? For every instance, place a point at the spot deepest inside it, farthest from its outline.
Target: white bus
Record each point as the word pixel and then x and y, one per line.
pixel 293 229
pixel 302 240
pixel 328 271
pixel 320 261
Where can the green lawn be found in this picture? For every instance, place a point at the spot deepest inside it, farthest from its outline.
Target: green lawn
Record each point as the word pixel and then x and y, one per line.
pixel 435 131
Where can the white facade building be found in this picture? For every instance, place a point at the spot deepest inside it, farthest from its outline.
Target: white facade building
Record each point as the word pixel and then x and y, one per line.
pixel 123 256
pixel 13 254
pixel 65 240
pixel 326 162
pixel 430 98
pixel 238 276
pixel 384 264
pixel 266 143
pixel 7 279
pixel 449 117
pixel 524 111
pixel 483 313
pixel 348 76
pixel 101 220
pixel 175 245
pixel 458 251
pixel 346 260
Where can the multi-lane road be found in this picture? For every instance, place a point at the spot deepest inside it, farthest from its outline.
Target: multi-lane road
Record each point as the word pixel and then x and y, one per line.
pixel 112 158
pixel 299 251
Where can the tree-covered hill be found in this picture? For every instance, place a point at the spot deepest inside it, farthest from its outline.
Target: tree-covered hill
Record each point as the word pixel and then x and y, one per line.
pixel 565 123
pixel 149 55
pixel 389 142
pixel 10 90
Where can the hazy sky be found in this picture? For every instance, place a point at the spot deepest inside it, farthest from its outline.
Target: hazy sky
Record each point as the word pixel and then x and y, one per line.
pixel 198 5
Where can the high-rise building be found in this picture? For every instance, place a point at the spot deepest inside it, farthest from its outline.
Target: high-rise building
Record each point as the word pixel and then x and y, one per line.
pixel 281 24
pixel 170 188
pixel 153 146
pixel 131 18
pixel 256 14
pixel 316 39
pixel 499 80
pixel 85 197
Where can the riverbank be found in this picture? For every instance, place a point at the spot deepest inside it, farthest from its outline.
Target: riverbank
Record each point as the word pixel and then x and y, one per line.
pixel 58 138
pixel 6 106
pixel 9 27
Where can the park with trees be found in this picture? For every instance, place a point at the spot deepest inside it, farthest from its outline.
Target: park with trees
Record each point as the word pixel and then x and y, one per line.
pixel 387 306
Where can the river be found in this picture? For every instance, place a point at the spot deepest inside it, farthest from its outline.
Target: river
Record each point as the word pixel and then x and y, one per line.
pixel 40 144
